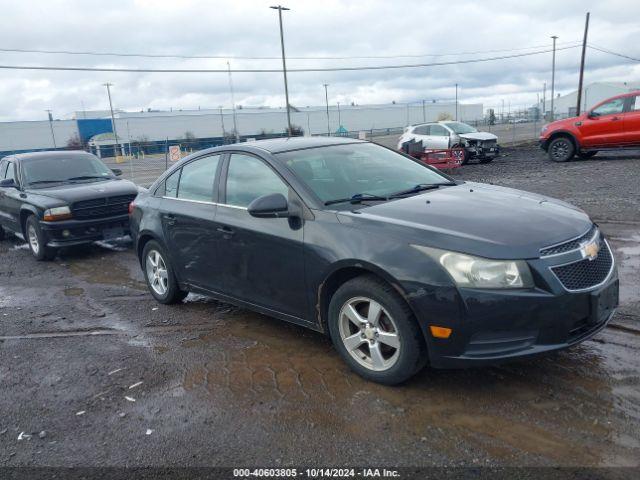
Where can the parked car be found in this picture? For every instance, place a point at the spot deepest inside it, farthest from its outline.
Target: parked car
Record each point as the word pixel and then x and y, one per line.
pixel 62 198
pixel 449 134
pixel 611 124
pixel 379 251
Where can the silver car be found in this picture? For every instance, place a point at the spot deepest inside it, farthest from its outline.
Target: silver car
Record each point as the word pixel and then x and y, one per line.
pixel 449 134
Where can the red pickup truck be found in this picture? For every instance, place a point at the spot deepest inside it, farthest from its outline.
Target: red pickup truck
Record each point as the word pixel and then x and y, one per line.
pixel 613 123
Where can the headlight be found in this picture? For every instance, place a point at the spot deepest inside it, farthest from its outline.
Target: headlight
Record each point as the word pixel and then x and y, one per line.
pixel 477 272
pixel 57 213
pixel 544 129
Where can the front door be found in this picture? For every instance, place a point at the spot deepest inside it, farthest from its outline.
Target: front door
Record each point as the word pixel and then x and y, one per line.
pixel 604 126
pixel 10 200
pixel 188 211
pixel 261 260
pixel 631 122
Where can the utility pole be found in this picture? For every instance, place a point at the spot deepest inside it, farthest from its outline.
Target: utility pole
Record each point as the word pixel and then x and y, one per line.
pixel 584 51
pixel 224 134
pixel 233 104
pixel 502 112
pixel 284 67
pixel 339 119
pixel 456 102
pixel 53 137
pixel 424 112
pixel 553 76
pixel 326 99
pixel 113 118
pixel 544 100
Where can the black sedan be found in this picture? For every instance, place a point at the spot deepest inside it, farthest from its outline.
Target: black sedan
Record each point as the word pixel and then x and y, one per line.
pixel 398 263
pixel 61 199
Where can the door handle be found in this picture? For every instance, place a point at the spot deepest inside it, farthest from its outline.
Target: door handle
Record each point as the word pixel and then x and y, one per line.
pixel 170 219
pixel 226 231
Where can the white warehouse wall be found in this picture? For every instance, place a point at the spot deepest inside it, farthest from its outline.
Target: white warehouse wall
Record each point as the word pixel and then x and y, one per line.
pixel 35 135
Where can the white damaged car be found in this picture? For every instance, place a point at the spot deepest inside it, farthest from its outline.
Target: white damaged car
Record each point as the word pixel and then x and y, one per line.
pixel 449 134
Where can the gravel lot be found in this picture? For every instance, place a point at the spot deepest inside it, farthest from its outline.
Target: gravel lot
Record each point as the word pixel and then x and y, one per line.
pixel 99 374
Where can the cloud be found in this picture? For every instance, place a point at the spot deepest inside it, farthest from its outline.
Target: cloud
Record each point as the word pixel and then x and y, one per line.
pixel 328 28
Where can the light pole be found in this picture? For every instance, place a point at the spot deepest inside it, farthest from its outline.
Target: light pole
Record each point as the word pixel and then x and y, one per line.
pixel 424 112
pixel 53 137
pixel 544 100
pixel 553 75
pixel 456 102
pixel 584 51
pixel 326 99
pixel 284 67
pixel 233 104
pixel 113 118
pixel 339 119
pixel 224 134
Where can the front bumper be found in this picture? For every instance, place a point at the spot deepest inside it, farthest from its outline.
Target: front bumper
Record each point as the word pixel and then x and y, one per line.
pixel 67 233
pixel 484 151
pixel 494 326
pixel 544 143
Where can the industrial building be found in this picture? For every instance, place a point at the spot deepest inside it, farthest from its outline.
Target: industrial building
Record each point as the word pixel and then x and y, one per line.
pixel 159 126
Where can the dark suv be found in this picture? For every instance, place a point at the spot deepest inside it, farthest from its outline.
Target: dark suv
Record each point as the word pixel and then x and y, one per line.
pixel 60 199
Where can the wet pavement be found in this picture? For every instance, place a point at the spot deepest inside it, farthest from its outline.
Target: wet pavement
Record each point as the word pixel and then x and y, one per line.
pixel 93 372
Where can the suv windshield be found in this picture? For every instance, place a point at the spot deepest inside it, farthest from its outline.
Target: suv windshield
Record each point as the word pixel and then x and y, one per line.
pixel 64 169
pixel 359 171
pixel 459 127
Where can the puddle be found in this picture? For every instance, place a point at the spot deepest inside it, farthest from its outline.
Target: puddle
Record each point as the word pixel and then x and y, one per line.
pixel 559 408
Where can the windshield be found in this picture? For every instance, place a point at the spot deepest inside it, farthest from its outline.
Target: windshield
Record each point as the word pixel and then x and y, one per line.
pixel 459 127
pixel 365 169
pixel 64 169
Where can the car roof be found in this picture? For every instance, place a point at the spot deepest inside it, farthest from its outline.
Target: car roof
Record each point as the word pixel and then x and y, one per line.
pixel 284 144
pixel 49 154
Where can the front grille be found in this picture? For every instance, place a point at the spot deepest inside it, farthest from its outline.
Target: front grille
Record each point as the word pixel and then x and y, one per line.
pixel 586 273
pixel 489 143
pixel 102 207
pixel 570 245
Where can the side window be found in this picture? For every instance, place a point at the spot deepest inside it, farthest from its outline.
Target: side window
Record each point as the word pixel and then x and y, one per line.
pixel 11 171
pixel 196 181
pixel 171 184
pixel 3 169
pixel 249 178
pixel 635 104
pixel 423 130
pixel 614 106
pixel 439 131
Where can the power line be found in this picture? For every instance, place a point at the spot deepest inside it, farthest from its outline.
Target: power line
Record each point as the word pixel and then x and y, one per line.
pixel 240 57
pixel 274 70
pixel 611 52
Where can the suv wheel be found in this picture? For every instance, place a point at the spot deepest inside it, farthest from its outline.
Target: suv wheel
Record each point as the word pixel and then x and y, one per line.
pixel 2 233
pixel 159 274
pixel 37 241
pixel 375 332
pixel 561 149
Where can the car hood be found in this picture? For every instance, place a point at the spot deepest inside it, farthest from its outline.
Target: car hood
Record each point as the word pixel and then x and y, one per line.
pixel 474 218
pixel 70 193
pixel 478 136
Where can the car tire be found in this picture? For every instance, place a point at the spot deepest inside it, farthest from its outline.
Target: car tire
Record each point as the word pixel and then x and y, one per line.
pixel 3 235
pixel 486 160
pixel 561 149
pixel 37 241
pixel 356 331
pixel 159 274
pixel 585 155
pixel 465 156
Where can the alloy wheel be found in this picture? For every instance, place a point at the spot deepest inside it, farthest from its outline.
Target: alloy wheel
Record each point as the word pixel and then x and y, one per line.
pixel 157 274
pixel 33 239
pixel 560 150
pixel 369 333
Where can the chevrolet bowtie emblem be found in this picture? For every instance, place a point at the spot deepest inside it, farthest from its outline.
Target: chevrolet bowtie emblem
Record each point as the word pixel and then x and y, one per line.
pixel 590 250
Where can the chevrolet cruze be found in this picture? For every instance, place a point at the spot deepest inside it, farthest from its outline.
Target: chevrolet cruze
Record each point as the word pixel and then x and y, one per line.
pixel 399 264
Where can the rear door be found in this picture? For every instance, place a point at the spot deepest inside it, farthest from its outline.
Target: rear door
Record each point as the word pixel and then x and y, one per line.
pixel 631 121
pixel 604 126
pixel 261 260
pixel 439 137
pixel 188 213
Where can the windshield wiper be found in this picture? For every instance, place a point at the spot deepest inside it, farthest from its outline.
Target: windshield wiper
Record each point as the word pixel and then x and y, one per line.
pixel 357 198
pixel 86 177
pixel 420 188
pixel 46 181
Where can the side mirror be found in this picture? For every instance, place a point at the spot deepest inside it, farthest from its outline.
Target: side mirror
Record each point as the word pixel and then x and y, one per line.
pixel 593 114
pixel 8 183
pixel 274 205
pixel 116 171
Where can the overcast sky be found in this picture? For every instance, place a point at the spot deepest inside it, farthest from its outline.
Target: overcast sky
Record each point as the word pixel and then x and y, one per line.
pixel 312 29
